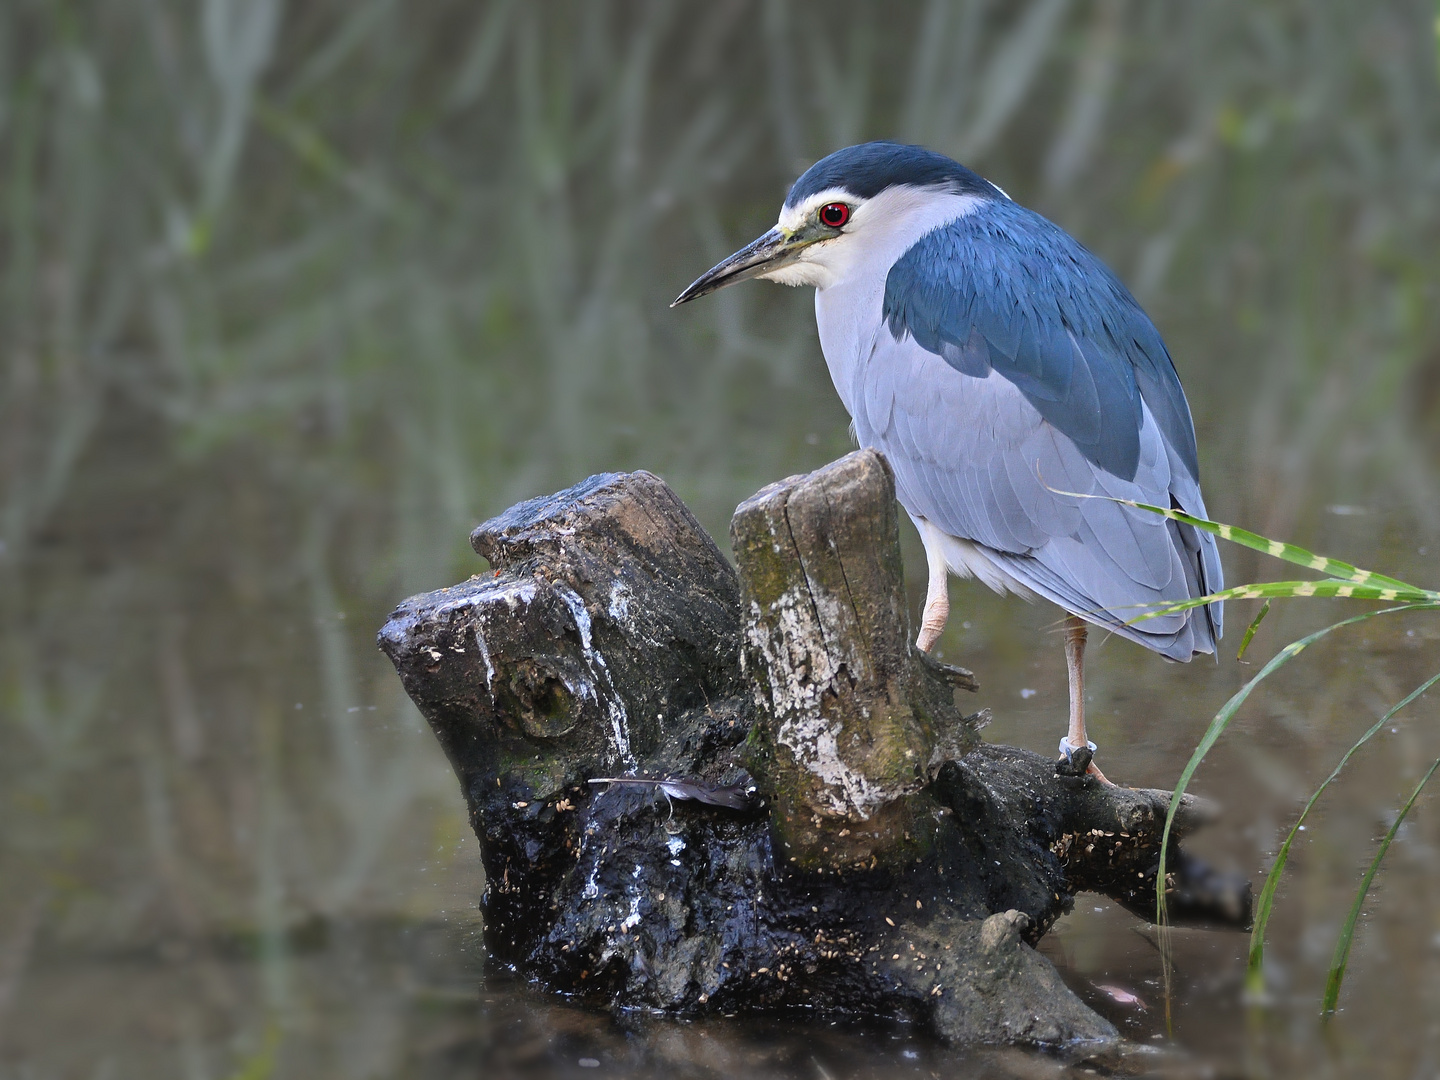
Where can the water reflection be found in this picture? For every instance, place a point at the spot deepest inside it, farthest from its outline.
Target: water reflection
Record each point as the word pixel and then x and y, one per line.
pixel 293 296
pixel 392 999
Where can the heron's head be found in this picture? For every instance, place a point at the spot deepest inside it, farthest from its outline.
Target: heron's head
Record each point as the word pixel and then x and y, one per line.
pixel 863 205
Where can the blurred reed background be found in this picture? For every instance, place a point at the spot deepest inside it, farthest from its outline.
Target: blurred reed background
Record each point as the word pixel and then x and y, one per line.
pixel 294 295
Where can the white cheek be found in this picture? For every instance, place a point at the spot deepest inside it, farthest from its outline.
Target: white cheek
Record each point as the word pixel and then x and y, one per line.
pixel 802 272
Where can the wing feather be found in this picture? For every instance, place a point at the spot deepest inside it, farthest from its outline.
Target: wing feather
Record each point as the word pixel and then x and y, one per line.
pixel 1002 289
pixel 976 457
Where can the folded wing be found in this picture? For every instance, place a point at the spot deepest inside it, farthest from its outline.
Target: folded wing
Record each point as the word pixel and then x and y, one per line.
pixel 975 457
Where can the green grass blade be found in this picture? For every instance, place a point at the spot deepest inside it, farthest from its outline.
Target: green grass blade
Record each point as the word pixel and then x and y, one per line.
pixel 1254 974
pixel 1347 932
pixel 1222 721
pixel 1288 552
pixel 1250 630
pixel 1286 590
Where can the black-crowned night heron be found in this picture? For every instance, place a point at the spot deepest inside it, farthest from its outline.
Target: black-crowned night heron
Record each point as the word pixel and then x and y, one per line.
pixel 1002 369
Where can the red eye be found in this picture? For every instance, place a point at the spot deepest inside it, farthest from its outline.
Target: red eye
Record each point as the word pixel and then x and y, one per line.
pixel 834 214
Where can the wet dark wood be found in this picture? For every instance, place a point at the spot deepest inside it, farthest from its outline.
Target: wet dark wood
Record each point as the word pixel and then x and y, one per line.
pixel 835 836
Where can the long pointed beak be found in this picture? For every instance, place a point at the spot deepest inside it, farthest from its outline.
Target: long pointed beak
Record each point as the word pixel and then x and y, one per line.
pixel 763 254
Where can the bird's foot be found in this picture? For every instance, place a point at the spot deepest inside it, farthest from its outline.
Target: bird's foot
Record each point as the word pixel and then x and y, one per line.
pixel 925 640
pixel 1079 761
pixel 1075 759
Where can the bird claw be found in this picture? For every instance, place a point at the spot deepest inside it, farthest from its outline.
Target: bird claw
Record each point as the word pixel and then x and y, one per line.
pixel 1074 760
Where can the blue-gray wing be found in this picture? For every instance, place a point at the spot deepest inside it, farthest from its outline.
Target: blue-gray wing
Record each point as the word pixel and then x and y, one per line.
pixel 976 458
pixel 1002 289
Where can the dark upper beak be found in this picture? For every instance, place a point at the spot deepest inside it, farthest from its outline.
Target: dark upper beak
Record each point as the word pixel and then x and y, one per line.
pixel 763 254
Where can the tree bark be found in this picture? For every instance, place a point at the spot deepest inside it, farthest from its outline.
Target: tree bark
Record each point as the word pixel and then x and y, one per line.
pixel 794 810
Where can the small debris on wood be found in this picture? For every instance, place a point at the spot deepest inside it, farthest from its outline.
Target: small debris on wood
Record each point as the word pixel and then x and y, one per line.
pixel 738 796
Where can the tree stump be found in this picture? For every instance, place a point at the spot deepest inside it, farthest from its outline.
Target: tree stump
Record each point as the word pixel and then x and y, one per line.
pixel 792 809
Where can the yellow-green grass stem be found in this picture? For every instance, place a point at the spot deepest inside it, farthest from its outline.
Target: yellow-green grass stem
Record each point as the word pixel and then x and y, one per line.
pixel 1250 630
pixel 1254 972
pixel 1226 714
pixel 1341 958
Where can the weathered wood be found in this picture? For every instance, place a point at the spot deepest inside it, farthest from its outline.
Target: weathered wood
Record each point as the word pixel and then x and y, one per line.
pixel 849 715
pixel 884 859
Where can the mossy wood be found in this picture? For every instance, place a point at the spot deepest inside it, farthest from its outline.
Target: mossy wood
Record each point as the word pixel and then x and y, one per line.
pixel 875 857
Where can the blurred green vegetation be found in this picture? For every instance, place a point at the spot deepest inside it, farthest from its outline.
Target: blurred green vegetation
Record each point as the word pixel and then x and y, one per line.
pixel 294 295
